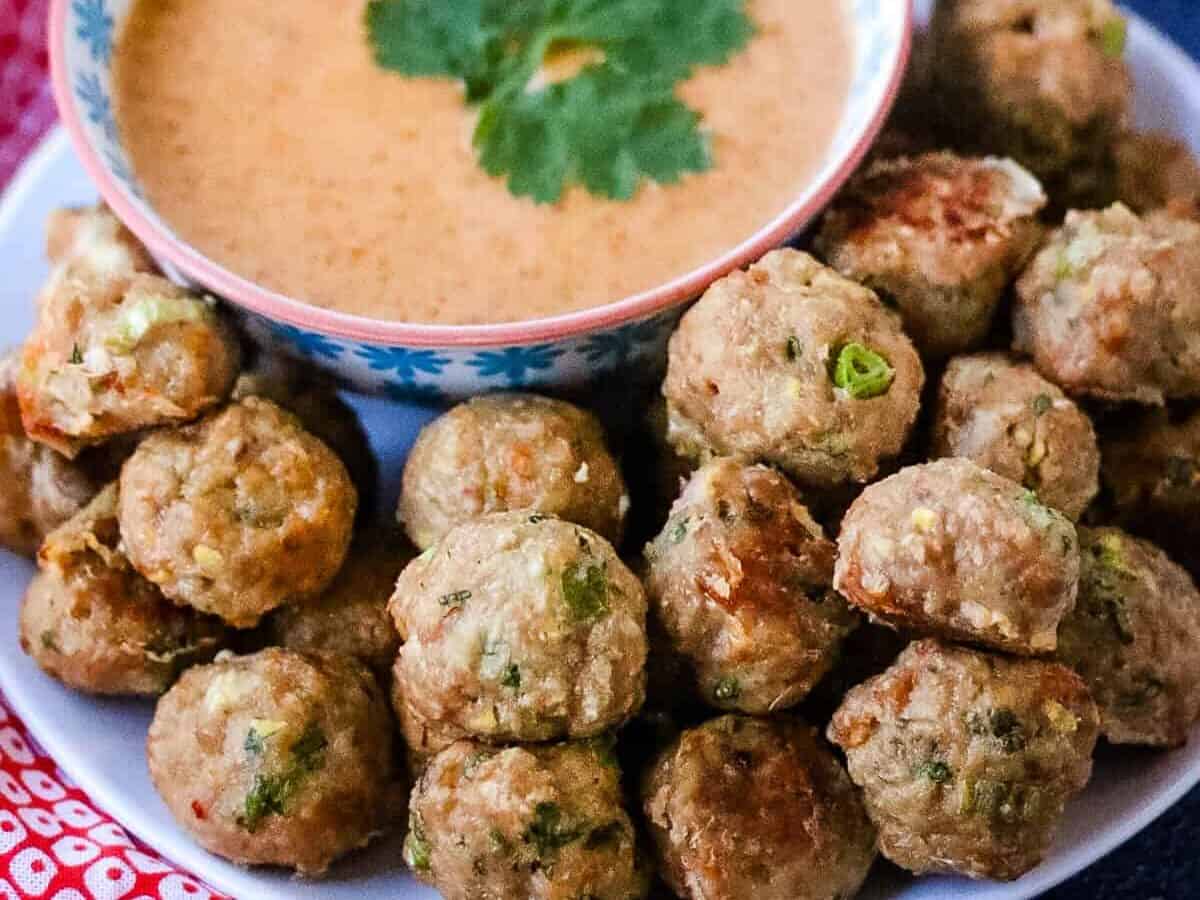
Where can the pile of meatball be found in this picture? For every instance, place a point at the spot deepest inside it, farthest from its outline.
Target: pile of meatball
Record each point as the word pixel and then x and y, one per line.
pixel 907 532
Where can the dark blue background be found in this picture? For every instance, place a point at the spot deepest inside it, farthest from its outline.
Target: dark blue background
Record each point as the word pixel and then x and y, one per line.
pixel 1163 862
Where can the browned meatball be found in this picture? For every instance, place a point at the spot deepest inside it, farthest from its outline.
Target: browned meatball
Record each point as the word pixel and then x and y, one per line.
pixel 1110 307
pixel 109 356
pixel 518 627
pixel 1154 169
pixel 238 514
pixel 506 452
pixel 740 581
pixel 1042 81
pixel 938 235
pixel 537 822
pixel 953 549
pixel 1151 477
pixel 742 808
pixel 92 239
pixel 320 410
pixel 42 488
pixel 92 622
pixel 1006 417
pixel 791 364
pixel 1134 636
pixel 965 759
pixel 278 758
pixel 351 616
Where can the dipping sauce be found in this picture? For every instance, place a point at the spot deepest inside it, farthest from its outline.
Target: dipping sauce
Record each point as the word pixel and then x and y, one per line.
pixel 266 135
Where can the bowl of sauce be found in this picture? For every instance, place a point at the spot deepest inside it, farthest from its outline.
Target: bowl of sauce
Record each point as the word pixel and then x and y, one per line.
pixel 435 198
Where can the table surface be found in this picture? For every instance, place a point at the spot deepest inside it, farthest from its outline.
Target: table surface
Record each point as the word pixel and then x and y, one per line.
pixel 1162 863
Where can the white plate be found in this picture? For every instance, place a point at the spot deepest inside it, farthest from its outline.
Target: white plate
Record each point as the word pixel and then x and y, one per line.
pixel 100 743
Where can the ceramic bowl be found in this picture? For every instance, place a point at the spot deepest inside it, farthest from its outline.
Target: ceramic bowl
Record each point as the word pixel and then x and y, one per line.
pixel 441 362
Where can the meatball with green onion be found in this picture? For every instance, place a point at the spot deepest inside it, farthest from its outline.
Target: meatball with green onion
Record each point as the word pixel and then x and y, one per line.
pixel 792 365
pixel 506 452
pixel 953 549
pixel 740 582
pixel 518 627
pixel 1110 307
pixel 741 807
pixel 114 355
pixel 1007 418
pixel 540 822
pixel 1134 636
pixel 938 235
pixel 279 758
pixel 92 622
pixel 966 759
pixel 1041 81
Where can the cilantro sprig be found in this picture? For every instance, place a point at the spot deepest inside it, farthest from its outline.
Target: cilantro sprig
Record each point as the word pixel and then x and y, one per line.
pixel 611 124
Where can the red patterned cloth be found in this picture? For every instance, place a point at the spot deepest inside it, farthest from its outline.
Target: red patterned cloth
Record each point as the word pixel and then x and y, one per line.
pixel 54 843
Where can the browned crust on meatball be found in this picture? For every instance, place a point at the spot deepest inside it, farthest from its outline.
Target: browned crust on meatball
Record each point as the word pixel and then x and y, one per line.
pixel 1154 169
pixel 742 807
pixel 740 582
pixel 966 759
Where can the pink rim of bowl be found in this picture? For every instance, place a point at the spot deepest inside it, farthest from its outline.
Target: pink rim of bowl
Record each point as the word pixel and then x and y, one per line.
pixel 280 308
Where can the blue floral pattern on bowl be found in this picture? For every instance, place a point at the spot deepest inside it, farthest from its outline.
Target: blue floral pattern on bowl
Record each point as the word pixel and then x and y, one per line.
pixel 437 374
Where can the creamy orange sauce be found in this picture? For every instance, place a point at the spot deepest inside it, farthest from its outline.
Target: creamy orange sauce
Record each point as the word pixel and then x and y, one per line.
pixel 266 135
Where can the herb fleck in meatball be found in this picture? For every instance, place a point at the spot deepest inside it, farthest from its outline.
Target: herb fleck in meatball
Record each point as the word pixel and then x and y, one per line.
pixel 740 581
pixel 1041 81
pixel 320 410
pixel 537 822
pixel 1151 475
pixel 742 808
pixel 791 364
pixel 951 548
pixel 237 514
pixel 1004 416
pixel 506 452
pixel 1134 636
pixel 351 616
pixel 519 627
pixel 278 758
pixel 109 356
pixel 1154 169
pixel 42 488
pixel 1110 307
pixel 966 759
pixel 92 622
pixel 941 237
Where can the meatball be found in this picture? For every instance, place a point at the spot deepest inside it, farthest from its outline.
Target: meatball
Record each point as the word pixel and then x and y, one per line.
pixel 1134 636
pixel 42 488
pixel 1151 475
pixel 939 236
pixel 742 807
pixel 1041 81
pixel 109 356
pixel 1110 307
pixel 538 822
pixel 1004 416
pixel 1154 169
pixel 507 452
pixel 237 514
pixel 320 410
pixel 279 758
pixel 92 622
pixel 791 364
pixel 520 627
pixel 953 549
pixel 351 616
pixel 91 240
pixel 965 759
pixel 740 580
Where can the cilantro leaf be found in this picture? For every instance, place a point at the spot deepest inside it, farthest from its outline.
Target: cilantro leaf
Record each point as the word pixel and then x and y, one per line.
pixel 609 125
